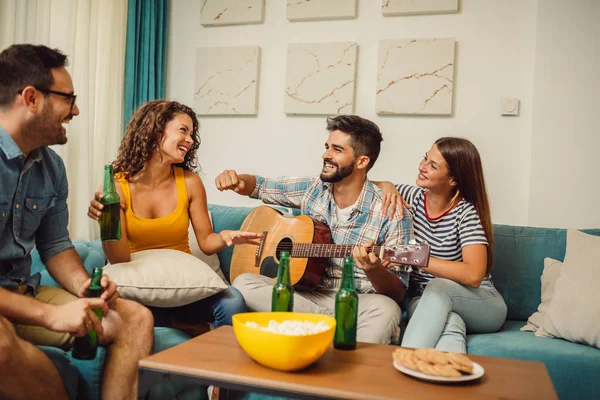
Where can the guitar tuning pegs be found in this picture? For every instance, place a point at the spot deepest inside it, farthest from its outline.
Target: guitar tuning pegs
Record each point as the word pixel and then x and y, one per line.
pixel 416 261
pixel 404 259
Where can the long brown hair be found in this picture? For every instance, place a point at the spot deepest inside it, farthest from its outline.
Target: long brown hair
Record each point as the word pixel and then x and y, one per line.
pixel 144 135
pixel 465 167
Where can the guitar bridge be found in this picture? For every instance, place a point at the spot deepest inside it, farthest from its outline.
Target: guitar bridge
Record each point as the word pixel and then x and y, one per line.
pixel 259 249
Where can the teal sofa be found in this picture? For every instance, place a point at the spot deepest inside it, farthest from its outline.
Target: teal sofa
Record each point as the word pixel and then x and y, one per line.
pixel 518 265
pixel 82 377
pixel 519 254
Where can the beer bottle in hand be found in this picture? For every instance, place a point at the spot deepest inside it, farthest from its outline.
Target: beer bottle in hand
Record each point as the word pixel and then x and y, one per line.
pixel 346 309
pixel 283 291
pixel 86 346
pixel 110 221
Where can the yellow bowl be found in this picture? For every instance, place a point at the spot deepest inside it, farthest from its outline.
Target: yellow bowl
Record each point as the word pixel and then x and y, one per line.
pixel 279 351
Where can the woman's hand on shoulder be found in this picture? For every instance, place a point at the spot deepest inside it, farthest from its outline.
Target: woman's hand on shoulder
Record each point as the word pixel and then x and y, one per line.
pixel 392 199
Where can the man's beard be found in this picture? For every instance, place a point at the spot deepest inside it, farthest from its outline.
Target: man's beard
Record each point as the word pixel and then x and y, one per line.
pixel 44 130
pixel 339 174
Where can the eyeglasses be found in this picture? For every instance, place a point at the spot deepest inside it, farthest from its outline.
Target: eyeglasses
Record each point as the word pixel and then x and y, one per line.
pixel 71 96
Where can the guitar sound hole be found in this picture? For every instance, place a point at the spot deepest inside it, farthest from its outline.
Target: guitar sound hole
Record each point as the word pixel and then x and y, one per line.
pixel 269 267
pixel 285 244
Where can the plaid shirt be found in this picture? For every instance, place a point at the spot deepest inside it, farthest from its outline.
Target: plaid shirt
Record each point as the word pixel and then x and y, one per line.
pixel 367 221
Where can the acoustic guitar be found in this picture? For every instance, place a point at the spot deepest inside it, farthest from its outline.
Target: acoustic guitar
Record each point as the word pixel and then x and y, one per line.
pixel 308 242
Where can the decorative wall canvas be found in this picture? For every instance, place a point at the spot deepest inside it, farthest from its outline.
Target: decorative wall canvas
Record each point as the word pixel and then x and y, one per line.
pixel 312 10
pixel 227 80
pixel 320 78
pixel 415 76
pixel 232 12
pixel 411 7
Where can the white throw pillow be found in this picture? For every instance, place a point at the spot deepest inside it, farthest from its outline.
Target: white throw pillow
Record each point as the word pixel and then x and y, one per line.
pixel 574 310
pixel 212 260
pixel 549 276
pixel 165 278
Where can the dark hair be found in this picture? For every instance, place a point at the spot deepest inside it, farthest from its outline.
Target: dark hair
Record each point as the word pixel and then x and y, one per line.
pixel 23 65
pixel 145 132
pixel 464 164
pixel 365 136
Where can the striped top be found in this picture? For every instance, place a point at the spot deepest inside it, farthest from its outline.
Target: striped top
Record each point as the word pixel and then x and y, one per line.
pixel 446 234
pixel 367 220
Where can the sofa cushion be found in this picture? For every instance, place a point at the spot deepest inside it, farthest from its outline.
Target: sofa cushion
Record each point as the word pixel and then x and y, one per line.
pixel 519 254
pixel 573 367
pixel 231 218
pixel 165 278
pixel 576 302
pixel 549 276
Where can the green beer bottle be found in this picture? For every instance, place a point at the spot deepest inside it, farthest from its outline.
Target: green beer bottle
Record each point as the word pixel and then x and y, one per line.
pixel 346 310
pixel 85 347
pixel 283 291
pixel 110 221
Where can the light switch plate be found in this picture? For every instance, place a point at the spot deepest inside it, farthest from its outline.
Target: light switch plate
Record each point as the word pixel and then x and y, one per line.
pixel 509 107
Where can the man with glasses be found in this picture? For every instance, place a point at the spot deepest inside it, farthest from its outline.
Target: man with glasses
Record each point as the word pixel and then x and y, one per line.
pixel 36 100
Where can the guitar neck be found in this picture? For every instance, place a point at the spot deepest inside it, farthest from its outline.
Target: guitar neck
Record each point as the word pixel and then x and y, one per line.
pixel 308 250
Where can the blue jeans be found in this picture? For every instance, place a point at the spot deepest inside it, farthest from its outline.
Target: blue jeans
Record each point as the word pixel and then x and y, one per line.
pixel 218 308
pixel 446 310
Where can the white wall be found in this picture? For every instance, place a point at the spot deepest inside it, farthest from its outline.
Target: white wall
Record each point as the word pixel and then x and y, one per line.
pixel 565 188
pixel 495 59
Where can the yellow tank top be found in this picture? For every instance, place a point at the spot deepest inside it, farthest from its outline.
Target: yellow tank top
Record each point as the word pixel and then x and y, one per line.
pixel 168 232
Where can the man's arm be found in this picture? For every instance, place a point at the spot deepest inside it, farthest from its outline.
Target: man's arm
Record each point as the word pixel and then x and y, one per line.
pixel 58 253
pixel 67 269
pixel 76 317
pixel 283 191
pixel 241 184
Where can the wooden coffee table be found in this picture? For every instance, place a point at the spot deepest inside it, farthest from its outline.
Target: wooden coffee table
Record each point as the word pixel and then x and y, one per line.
pixel 216 359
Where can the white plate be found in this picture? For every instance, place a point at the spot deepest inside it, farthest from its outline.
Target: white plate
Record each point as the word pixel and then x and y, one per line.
pixel 477 373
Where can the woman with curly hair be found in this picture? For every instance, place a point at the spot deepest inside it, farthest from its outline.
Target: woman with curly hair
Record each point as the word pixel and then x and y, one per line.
pixel 160 194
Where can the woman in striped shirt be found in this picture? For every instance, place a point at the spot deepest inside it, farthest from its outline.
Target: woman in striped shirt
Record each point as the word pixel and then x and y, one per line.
pixel 454 294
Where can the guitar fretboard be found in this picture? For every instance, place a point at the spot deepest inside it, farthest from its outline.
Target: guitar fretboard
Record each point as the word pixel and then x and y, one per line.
pixel 308 250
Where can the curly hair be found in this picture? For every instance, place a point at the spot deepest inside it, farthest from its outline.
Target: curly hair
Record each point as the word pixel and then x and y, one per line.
pixel 144 135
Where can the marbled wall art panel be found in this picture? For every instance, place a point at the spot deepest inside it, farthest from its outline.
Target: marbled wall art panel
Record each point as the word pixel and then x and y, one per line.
pixel 312 10
pixel 410 7
pixel 320 78
pixel 232 12
pixel 227 80
pixel 415 76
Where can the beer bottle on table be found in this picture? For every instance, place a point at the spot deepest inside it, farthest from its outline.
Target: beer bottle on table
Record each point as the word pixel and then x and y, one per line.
pixel 110 221
pixel 86 346
pixel 346 309
pixel 283 291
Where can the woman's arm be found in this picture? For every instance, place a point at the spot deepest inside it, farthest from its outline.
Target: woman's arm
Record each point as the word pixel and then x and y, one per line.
pixel 469 272
pixel 208 241
pixel 391 197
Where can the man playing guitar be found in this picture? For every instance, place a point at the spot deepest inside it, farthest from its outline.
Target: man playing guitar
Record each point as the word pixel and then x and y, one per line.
pixel 343 198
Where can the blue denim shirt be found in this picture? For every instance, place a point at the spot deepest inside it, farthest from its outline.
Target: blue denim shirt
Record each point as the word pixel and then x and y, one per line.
pixel 33 210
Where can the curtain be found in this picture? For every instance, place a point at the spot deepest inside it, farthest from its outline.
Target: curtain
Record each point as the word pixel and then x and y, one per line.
pixel 146 57
pixel 17 22
pixel 92 34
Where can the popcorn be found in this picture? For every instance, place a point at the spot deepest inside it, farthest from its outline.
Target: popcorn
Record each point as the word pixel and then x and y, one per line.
pixel 291 327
